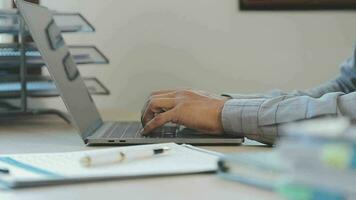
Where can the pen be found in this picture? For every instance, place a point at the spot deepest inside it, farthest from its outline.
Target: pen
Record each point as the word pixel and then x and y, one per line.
pixel 92 159
pixel 4 171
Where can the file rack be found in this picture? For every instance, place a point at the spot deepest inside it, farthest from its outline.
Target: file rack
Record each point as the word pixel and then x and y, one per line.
pixel 23 55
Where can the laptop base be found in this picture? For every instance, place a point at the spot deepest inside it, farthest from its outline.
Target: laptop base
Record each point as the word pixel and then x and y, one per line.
pixel 127 133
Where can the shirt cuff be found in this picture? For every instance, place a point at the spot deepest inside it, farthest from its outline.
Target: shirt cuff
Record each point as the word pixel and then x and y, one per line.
pixel 269 94
pixel 240 117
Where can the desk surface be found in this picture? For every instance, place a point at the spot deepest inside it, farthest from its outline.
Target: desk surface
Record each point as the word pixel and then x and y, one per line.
pixel 50 134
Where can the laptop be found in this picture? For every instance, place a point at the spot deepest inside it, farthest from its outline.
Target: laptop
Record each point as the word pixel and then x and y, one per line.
pixel 85 116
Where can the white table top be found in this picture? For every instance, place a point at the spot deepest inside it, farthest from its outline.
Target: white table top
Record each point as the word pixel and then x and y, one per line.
pixel 49 134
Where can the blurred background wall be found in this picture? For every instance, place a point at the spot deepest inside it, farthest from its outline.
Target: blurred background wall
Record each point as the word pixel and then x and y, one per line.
pixel 208 45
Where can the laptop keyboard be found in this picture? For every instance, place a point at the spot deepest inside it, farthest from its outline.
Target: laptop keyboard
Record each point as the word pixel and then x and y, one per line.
pixel 167 131
pixel 132 130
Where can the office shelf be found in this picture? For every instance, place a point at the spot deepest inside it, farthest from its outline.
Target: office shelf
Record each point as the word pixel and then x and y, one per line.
pixel 43 86
pixel 23 55
pixel 67 22
pixel 10 55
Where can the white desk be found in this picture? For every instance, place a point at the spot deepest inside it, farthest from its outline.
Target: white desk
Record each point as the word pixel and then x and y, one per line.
pixel 52 135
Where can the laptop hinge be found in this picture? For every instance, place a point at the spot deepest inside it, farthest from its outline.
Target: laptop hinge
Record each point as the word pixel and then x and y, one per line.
pixel 91 130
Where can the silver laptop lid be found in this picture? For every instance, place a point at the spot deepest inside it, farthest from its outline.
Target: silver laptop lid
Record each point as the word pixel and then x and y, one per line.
pixel 55 53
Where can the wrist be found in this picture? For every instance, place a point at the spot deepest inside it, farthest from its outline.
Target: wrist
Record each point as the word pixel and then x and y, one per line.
pixel 220 113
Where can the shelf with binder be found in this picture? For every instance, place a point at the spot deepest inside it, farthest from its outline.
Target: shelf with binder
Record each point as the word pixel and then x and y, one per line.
pixel 67 22
pixel 82 54
pixel 43 86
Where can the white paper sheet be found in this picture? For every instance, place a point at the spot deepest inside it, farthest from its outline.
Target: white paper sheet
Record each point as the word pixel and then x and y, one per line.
pixel 61 166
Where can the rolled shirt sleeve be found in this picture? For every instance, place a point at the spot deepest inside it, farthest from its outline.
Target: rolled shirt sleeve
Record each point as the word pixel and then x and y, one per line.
pixel 269 94
pixel 259 117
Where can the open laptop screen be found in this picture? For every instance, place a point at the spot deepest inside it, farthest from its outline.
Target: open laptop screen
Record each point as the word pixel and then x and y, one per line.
pixel 49 41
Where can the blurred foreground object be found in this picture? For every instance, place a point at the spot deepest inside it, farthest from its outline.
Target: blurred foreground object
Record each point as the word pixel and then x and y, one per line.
pixel 313 160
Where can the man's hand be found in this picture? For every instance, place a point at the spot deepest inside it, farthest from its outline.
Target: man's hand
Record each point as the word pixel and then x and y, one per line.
pixel 193 109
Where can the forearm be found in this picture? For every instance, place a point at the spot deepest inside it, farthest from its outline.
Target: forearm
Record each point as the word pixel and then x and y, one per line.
pixel 260 119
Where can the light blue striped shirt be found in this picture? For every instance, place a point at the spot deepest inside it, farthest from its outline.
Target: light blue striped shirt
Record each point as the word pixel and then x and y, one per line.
pixel 259 117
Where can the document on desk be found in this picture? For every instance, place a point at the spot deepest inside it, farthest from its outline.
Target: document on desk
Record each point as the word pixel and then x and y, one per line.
pixel 28 170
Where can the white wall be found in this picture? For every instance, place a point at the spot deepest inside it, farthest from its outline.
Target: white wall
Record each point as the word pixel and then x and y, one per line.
pixel 208 44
